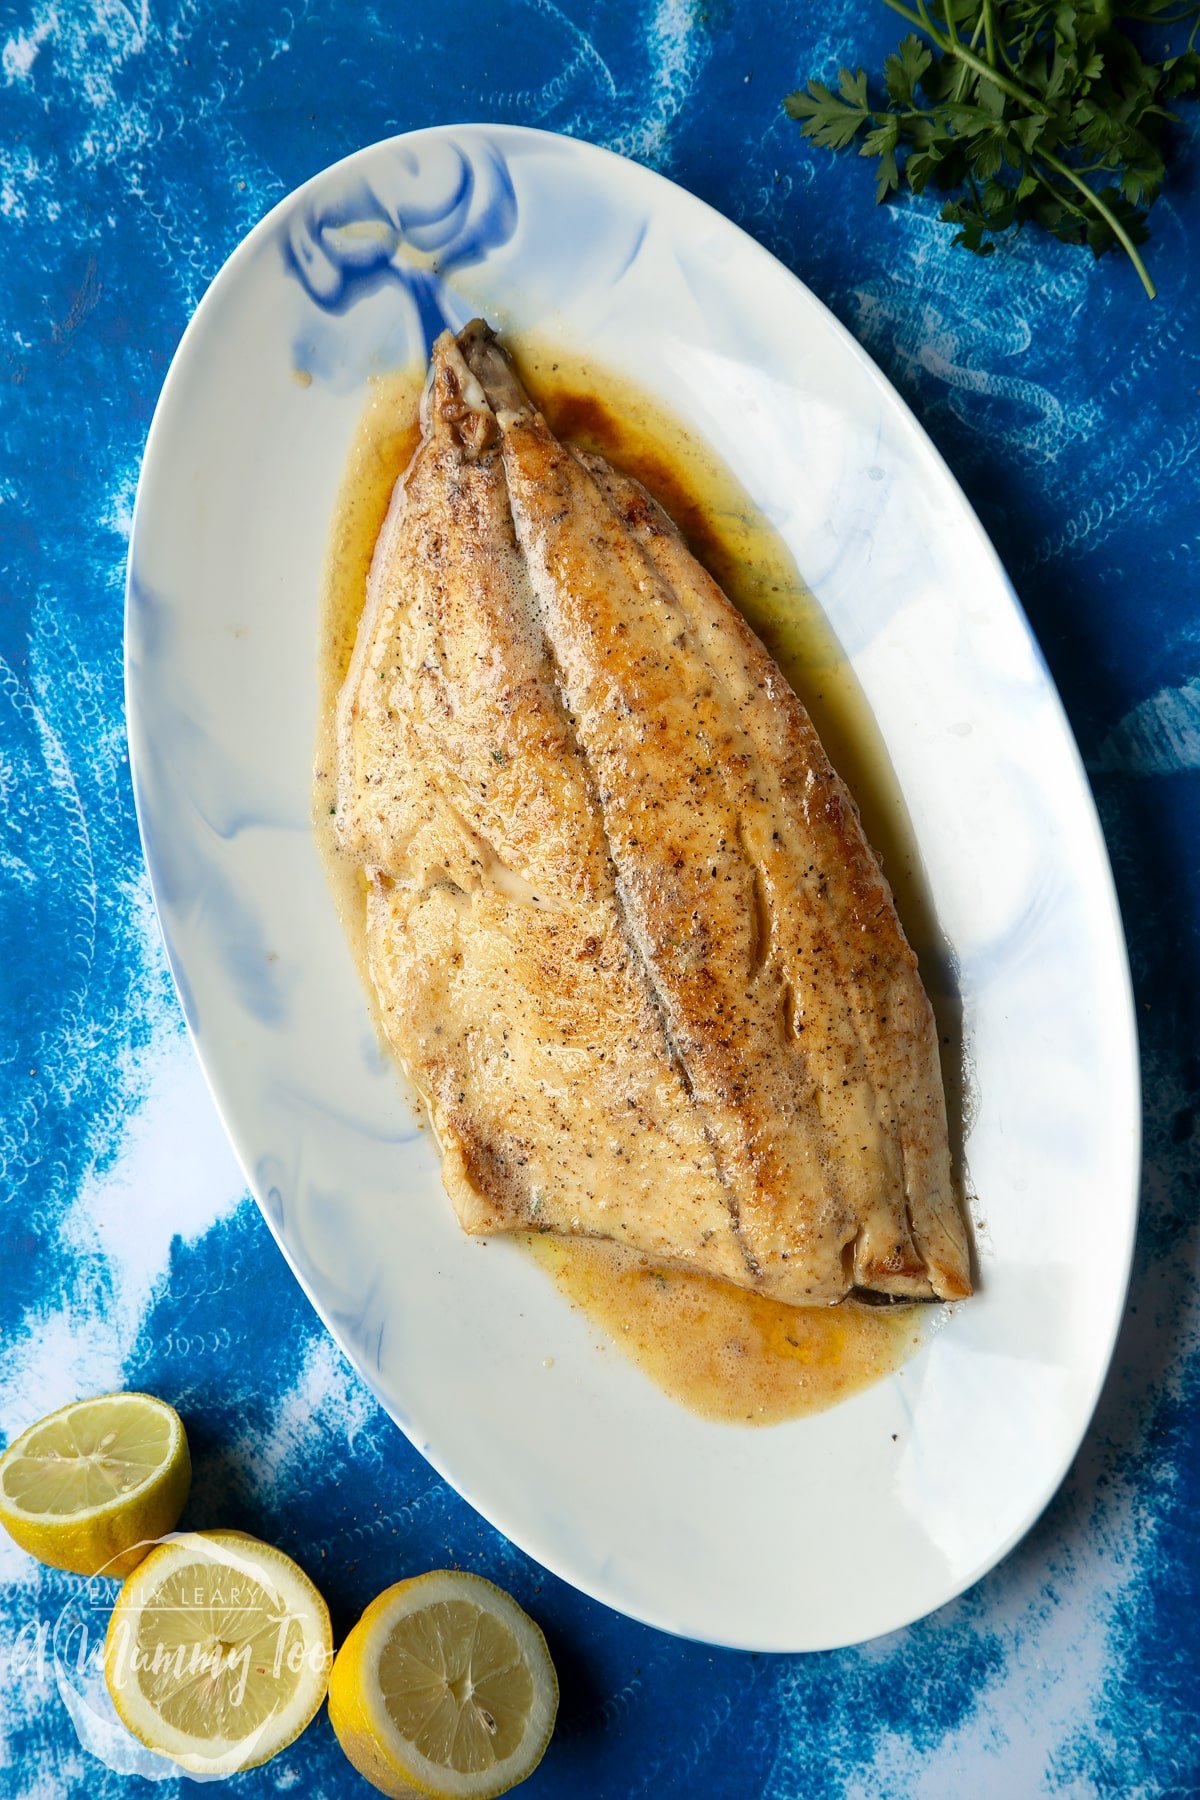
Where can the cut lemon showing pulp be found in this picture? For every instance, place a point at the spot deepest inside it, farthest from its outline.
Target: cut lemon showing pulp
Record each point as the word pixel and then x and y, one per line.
pixel 91 1487
pixel 444 1687
pixel 218 1651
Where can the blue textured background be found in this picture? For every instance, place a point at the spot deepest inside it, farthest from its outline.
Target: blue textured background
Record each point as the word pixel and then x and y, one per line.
pixel 136 148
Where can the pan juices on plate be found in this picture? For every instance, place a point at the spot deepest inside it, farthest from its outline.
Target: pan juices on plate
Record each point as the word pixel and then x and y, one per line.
pixel 626 933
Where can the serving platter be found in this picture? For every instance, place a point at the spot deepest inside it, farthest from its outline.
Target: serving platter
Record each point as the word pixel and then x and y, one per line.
pixel 827 1530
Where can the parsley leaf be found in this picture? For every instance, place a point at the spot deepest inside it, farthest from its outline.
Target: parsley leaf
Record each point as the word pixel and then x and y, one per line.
pixel 904 69
pixel 1053 113
pixel 829 121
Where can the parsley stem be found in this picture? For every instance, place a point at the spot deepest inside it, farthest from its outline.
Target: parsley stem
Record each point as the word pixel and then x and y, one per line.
pixel 989 32
pixel 960 80
pixel 1166 19
pixel 1106 213
pixel 953 46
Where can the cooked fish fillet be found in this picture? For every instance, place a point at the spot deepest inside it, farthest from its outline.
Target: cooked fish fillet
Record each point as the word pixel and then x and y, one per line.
pixel 628 936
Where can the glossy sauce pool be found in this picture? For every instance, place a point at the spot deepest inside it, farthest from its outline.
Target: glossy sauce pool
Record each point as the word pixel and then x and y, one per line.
pixel 725 1353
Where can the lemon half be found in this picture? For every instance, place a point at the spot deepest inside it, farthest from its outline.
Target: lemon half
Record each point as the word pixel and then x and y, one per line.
pixel 444 1687
pixel 91 1487
pixel 218 1651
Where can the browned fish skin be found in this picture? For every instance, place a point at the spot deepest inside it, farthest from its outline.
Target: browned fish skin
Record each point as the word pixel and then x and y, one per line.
pixel 496 945
pixel 875 970
pixel 628 934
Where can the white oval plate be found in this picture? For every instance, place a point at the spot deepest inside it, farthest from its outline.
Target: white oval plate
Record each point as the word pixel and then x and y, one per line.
pixel 810 1535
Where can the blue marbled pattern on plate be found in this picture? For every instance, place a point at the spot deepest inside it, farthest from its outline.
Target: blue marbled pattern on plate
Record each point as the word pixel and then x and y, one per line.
pixel 139 146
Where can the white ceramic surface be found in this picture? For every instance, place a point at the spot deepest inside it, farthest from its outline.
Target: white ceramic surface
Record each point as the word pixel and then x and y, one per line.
pixel 810 1535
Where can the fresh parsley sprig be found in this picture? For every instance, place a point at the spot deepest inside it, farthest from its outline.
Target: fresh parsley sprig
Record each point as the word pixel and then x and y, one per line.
pixel 1022 111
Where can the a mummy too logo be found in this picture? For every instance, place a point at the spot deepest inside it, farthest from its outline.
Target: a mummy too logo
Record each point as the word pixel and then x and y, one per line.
pixel 206 1661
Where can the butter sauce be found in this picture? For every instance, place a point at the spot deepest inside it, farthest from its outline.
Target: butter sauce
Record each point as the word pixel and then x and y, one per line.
pixel 725 1353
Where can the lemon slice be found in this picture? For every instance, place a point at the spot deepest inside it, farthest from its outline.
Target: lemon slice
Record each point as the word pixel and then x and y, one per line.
pixel 218 1651
pixel 444 1687
pixel 91 1487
